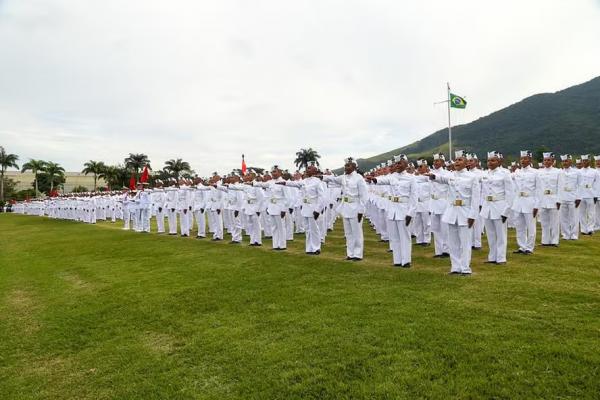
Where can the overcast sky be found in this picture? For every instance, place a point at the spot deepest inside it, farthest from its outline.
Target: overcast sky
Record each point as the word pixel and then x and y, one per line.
pixel 209 80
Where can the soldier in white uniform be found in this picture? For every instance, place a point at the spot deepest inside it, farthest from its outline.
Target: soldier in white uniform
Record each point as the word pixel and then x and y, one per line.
pixel 277 208
pixel 438 205
pixel 549 186
pixel 199 203
pixel 463 198
pixel 401 209
pixel 183 207
pixel 144 204
pixel 254 204
pixel 525 204
pixel 171 206
pixel 589 182
pixel 569 199
pixel 477 231
pixel 235 199
pixel 313 201
pixel 158 205
pixel 597 191
pixel 422 221
pixel 497 190
pixel 351 207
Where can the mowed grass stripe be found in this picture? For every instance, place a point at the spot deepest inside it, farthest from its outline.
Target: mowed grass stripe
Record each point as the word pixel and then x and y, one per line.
pixel 97 312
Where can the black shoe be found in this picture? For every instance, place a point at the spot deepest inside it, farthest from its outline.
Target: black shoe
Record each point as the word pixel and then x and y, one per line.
pixel 453 273
pixel 554 245
pixel 349 258
pixel 527 252
pixel 397 265
pixel 445 255
pixel 519 251
pixel 465 274
pixel 501 263
pixel 317 252
pixel 490 262
pixel 215 239
pixel 407 265
pixel 357 259
pixel 438 256
pixel 234 242
pixel 200 237
pixel 390 251
pixel 475 248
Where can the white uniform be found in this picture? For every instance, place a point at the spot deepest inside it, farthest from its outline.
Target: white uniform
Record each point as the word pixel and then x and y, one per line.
pixel 525 201
pixel 313 200
pixel 354 197
pixel 588 186
pixel 158 205
pixel 403 203
pixel 549 186
pixel 183 208
pixel 463 199
pixel 254 203
pixel 497 191
pixel 279 202
pixel 569 213
pixel 438 205
pixel 199 196
pixel 171 207
pixel 144 204
pixel 422 221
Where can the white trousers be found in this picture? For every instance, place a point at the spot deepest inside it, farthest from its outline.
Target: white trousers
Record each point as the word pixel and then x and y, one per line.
pixel 422 227
pixel 459 244
pixel 354 237
pixel 289 226
pixel 144 221
pixel 172 220
pixel 160 220
pixel 217 219
pixel 279 231
pixel 496 235
pixel 587 215
pixel 313 234
pixel 184 222
pixel 440 234
pixel 382 224
pixel 201 222
pixel 569 221
pixel 526 230
pixel 236 227
pixel 477 231
pixel 550 225
pixel 253 222
pixel 400 241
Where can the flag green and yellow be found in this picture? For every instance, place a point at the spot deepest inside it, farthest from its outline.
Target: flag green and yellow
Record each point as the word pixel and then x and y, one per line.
pixel 457 101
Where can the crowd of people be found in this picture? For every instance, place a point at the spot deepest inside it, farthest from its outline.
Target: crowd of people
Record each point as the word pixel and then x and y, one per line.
pixel 451 203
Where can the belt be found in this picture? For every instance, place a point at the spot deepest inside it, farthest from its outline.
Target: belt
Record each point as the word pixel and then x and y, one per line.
pixel 587 186
pixel 348 199
pixel 435 197
pixel 523 194
pixel 568 189
pixel 494 198
pixel 273 200
pixel 399 199
pixel 251 201
pixel 548 192
pixel 460 203
pixel 306 200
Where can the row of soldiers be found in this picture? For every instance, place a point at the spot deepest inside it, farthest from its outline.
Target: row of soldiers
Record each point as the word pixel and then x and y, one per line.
pixel 452 201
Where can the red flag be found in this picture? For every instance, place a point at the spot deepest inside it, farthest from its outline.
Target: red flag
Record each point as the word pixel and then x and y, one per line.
pixel 132 182
pixel 144 177
pixel 243 165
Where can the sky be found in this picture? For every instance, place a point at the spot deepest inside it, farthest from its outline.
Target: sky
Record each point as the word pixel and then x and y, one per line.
pixel 207 81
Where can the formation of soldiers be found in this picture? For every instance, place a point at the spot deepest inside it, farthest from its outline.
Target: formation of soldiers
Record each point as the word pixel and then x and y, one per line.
pixel 451 203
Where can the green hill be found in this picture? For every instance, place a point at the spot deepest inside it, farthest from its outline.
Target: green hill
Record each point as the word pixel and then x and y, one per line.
pixel 564 121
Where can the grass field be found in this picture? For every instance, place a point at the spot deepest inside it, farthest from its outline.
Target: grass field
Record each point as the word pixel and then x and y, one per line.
pixel 94 312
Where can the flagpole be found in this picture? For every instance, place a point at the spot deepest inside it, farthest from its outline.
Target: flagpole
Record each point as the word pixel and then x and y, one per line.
pixel 449 126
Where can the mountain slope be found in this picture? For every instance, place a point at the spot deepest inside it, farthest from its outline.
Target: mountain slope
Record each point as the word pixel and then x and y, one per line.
pixel 564 121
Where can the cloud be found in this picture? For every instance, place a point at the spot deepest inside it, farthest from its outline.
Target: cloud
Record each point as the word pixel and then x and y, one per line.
pixel 208 81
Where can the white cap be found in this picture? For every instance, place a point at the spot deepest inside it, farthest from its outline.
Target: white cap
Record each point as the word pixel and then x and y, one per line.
pixel 494 154
pixel 462 153
pixel 400 157
pixel 597 157
pixel 577 160
pixel 525 153
pixel 390 163
pixel 422 161
pixel 585 157
pixel 350 160
pixel 439 156
pixel 312 164
pixel 548 154
pixel 564 157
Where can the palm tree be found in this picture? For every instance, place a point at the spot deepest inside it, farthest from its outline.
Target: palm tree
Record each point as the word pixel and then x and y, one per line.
pixel 53 170
pixel 175 167
pixel 111 174
pixel 35 166
pixel 6 161
pixel 135 162
pixel 94 167
pixel 304 156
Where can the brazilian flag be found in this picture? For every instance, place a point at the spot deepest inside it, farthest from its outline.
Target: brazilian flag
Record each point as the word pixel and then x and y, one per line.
pixel 457 101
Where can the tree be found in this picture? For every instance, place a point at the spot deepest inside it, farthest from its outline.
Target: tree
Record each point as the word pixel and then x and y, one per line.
pixel 111 174
pixel 35 166
pixel 6 161
pixel 94 167
pixel 175 167
pixel 54 173
pixel 304 156
pixel 79 189
pixel 135 162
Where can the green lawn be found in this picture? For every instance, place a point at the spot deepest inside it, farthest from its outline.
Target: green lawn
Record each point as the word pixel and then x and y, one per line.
pixel 94 312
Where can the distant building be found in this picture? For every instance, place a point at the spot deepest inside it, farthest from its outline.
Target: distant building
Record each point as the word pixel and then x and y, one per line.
pixel 24 180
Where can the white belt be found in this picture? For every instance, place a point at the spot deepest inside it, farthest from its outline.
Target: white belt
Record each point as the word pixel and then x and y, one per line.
pixel 307 200
pixel 494 198
pixel 434 197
